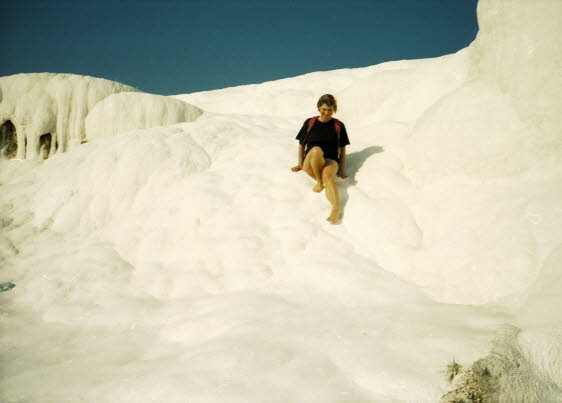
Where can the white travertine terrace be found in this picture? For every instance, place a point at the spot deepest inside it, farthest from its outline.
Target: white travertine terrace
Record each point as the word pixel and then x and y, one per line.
pixel 45 113
pixel 128 111
pixel 187 260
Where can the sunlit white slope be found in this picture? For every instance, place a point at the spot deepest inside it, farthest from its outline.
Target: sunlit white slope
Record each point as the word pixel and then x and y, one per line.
pixel 126 111
pixel 166 271
pixel 188 261
pixel 498 138
pixel 506 118
pixel 472 145
pixel 397 91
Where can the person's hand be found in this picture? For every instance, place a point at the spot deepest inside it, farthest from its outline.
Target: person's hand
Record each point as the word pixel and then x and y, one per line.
pixel 342 174
pixel 296 168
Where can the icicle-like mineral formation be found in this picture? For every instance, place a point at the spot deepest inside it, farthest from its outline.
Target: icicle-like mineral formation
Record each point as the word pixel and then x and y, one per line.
pixel 45 113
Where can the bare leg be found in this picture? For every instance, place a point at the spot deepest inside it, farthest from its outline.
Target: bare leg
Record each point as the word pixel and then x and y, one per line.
pixel 332 194
pixel 313 165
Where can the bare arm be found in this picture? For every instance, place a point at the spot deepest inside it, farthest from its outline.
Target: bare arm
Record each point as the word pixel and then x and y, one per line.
pixel 341 170
pixel 300 158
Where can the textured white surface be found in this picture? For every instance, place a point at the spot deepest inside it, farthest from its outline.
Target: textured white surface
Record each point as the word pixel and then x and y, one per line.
pixel 42 103
pixel 75 109
pixel 128 111
pixel 187 261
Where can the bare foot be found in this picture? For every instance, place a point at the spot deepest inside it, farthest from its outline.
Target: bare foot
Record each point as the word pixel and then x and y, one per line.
pixel 318 188
pixel 335 216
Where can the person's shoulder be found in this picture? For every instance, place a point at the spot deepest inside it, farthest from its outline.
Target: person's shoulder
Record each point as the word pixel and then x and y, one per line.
pixel 307 121
pixel 342 125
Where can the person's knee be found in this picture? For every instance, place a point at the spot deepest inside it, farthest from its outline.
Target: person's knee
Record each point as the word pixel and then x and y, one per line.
pixel 327 176
pixel 316 152
pixel 317 156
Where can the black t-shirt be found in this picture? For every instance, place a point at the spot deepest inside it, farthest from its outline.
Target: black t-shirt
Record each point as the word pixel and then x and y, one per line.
pixel 323 135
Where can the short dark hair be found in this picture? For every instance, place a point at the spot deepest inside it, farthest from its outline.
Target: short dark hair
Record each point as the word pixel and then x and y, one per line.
pixel 329 100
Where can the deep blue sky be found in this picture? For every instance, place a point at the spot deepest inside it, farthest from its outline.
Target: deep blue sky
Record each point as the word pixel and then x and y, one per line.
pixel 175 46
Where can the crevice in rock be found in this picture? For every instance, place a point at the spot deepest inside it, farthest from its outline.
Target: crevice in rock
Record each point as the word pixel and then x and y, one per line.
pixel 8 140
